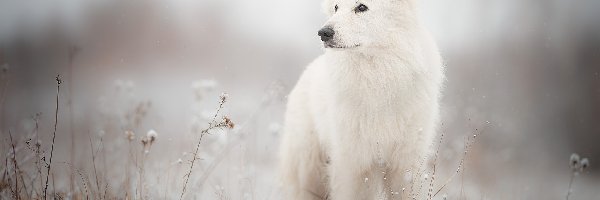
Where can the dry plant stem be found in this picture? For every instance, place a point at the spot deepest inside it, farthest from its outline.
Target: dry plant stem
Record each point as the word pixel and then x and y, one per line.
pixel 228 149
pixel 415 178
pixel 58 82
pixel 38 158
pixel 7 175
pixel 127 169
pixel 94 163
pixel 18 172
pixel 205 175
pixel 17 195
pixel 71 55
pixel 214 164
pixel 23 181
pixel 32 183
pixel 141 187
pixel 83 180
pixel 104 163
pixel 105 191
pixel 437 152
pixel 570 184
pixel 462 179
pixel 468 145
pixel 211 126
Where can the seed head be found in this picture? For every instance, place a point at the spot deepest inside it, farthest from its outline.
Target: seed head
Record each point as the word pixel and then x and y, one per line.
pixel 130 135
pixel 151 135
pixel 585 163
pixel 224 97
pixel 228 123
pixel 145 141
pixel 574 161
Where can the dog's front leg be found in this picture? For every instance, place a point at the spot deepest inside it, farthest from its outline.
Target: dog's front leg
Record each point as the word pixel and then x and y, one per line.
pixel 302 159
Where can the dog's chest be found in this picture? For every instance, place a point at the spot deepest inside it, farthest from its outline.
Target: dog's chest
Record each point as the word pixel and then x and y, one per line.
pixel 372 107
pixel 374 87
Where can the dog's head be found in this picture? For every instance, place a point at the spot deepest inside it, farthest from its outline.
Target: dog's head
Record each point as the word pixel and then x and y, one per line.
pixel 365 24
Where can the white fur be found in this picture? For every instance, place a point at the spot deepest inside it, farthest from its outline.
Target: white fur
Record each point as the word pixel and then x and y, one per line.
pixel 359 117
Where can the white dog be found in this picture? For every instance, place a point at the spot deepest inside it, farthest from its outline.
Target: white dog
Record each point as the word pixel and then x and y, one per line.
pixel 365 112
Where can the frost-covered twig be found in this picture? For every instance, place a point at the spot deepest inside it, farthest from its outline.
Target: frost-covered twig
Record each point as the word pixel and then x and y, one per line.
pixel 468 145
pixel 225 123
pixel 84 179
pixel 94 163
pixel 437 152
pixel 58 82
pixel 14 159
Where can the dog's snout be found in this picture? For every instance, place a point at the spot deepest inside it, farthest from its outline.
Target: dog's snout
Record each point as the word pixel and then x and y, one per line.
pixel 326 34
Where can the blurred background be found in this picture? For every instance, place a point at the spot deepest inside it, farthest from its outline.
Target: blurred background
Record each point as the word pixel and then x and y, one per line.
pixel 524 76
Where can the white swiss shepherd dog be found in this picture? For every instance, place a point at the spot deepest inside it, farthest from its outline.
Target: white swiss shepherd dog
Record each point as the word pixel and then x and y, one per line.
pixel 366 111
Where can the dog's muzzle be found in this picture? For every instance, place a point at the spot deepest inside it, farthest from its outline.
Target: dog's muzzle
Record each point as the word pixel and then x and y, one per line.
pixel 326 34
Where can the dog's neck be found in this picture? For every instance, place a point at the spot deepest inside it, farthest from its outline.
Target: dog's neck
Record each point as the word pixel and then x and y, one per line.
pixel 371 69
pixel 406 42
pixel 403 52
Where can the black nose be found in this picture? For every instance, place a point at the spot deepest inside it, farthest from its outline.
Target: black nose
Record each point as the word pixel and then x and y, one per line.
pixel 326 34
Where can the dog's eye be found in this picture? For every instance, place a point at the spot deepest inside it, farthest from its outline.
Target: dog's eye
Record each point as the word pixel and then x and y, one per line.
pixel 335 8
pixel 361 8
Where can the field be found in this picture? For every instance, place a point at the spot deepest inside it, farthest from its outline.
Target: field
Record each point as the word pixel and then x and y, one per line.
pixel 185 100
